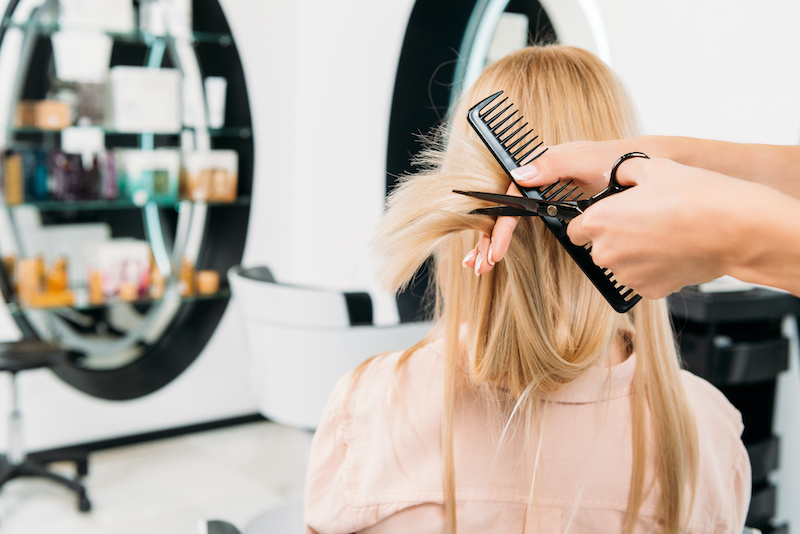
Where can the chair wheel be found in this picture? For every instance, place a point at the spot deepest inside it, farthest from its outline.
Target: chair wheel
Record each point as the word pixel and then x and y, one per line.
pixel 83 503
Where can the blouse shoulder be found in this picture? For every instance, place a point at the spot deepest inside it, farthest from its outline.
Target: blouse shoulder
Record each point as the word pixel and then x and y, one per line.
pixel 711 405
pixel 724 476
pixel 349 477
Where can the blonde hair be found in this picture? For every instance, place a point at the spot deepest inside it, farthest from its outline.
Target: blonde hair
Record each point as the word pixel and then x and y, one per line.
pixel 535 322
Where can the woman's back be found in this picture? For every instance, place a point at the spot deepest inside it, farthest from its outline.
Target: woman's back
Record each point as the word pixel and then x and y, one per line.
pixel 376 463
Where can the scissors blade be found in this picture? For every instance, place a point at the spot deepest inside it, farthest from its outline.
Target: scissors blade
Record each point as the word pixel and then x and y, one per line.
pixel 501 211
pixel 542 208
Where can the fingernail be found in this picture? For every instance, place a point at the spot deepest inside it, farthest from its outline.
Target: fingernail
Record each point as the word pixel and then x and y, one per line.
pixel 468 257
pixel 525 173
pixel 478 265
pixel 489 255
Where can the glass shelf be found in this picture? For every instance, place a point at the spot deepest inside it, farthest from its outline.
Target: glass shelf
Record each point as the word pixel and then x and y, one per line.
pixel 82 302
pixel 231 131
pixel 136 36
pixel 118 204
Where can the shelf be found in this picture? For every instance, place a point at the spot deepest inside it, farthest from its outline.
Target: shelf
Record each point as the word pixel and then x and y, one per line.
pixel 135 36
pixel 119 204
pixel 757 304
pixel 82 302
pixel 231 131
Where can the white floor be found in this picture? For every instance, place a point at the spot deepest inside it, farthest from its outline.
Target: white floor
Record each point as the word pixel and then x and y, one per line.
pixel 168 486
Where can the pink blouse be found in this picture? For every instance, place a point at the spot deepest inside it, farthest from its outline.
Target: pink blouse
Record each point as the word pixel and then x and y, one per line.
pixel 376 462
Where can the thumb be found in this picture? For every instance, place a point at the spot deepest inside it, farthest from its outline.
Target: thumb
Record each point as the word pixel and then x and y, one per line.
pixel 576 231
pixel 546 169
pixel 632 171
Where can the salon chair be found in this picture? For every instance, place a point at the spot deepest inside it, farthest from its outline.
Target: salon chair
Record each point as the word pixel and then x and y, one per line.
pixel 301 340
pixel 17 356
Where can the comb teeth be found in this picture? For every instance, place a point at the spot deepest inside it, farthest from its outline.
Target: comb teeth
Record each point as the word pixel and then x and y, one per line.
pixel 507 128
pixel 495 116
pixel 496 121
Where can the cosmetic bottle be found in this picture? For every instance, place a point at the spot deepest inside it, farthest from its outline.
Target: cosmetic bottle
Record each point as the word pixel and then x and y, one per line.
pixel 56 279
pixel 157 284
pixel 186 279
pixel 216 88
pixel 28 282
pixel 207 282
pixel 95 283
pixel 13 186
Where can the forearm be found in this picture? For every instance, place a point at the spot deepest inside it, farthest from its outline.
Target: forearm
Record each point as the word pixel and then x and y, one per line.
pixel 763 240
pixel 777 166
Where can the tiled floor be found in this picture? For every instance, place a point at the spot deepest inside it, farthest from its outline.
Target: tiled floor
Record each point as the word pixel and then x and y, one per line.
pixel 168 486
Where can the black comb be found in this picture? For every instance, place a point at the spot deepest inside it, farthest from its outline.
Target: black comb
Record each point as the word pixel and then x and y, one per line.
pixel 505 133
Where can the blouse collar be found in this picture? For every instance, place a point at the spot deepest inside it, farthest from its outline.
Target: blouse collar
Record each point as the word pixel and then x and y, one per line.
pixel 598 383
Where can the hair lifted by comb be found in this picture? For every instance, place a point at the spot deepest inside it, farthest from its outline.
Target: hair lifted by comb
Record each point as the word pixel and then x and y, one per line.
pixel 535 323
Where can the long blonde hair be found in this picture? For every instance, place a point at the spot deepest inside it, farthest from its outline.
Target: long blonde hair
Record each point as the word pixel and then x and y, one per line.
pixel 535 323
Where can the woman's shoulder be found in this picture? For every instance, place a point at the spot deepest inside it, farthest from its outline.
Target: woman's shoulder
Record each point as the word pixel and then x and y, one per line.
pixel 408 378
pixel 723 489
pixel 710 405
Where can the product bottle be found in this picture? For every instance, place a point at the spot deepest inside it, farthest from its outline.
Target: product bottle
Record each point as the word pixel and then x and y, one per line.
pixel 157 283
pixel 96 295
pixel 186 282
pixel 56 279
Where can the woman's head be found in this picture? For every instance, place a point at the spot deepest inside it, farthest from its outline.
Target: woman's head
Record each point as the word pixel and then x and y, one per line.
pixel 535 320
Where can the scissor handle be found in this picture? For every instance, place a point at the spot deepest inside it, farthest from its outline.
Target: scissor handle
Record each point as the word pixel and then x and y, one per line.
pixel 613 184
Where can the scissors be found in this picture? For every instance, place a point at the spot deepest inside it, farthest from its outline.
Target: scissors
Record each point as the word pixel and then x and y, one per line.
pixel 563 210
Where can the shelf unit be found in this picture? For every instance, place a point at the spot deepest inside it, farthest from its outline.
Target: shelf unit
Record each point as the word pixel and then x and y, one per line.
pixel 734 340
pixel 124 350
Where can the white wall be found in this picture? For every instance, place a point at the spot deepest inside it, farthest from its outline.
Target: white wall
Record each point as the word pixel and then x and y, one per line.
pixel 723 69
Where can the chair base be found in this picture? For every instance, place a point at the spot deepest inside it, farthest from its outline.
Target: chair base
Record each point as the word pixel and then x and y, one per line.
pixel 33 467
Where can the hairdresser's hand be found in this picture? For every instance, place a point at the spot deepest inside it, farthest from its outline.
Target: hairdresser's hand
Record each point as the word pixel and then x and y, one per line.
pixel 679 225
pixel 669 231
pixel 586 163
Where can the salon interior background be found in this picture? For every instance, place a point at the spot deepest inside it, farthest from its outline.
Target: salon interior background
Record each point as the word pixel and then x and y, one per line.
pixel 719 69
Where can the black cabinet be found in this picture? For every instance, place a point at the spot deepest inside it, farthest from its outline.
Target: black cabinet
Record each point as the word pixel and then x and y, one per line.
pixel 735 341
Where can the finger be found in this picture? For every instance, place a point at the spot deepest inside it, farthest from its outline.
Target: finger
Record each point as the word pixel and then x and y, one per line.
pixel 576 232
pixel 564 162
pixel 631 171
pixel 501 238
pixel 502 232
pixel 529 176
pixel 469 260
pixel 481 265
